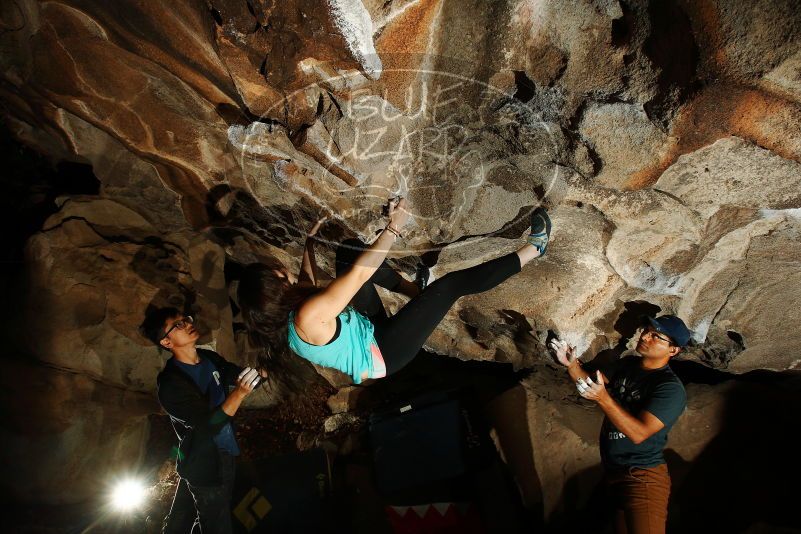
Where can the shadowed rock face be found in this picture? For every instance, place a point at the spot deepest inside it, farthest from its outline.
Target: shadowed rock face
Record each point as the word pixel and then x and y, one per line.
pixel 665 136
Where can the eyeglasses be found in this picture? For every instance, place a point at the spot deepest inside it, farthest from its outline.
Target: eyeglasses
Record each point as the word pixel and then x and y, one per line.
pixel 180 324
pixel 654 334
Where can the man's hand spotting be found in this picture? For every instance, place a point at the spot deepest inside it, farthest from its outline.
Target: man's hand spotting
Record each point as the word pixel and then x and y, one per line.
pixel 565 354
pixel 594 390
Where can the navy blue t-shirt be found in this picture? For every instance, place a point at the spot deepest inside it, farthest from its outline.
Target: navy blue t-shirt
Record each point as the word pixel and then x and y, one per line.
pixel 207 378
pixel 658 391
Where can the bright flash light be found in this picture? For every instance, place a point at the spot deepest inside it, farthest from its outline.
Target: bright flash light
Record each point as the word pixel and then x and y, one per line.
pixel 128 495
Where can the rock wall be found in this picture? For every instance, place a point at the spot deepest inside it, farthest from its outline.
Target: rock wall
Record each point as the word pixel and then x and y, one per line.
pixel 665 136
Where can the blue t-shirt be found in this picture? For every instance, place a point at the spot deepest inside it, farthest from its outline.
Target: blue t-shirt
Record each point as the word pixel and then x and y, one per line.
pixel 207 378
pixel 657 391
pixel 351 351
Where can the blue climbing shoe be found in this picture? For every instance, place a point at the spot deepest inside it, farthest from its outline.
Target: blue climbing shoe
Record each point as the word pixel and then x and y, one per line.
pixel 540 230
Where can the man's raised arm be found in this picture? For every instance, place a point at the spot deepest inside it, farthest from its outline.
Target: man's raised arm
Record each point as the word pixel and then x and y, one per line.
pixel 566 355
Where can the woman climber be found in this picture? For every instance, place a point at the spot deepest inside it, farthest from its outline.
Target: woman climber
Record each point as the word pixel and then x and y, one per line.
pixel 341 325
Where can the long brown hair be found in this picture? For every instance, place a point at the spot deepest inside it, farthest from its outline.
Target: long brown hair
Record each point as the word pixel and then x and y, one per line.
pixel 266 300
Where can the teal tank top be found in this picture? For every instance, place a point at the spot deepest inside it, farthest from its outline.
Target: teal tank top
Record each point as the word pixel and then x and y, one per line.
pixel 350 352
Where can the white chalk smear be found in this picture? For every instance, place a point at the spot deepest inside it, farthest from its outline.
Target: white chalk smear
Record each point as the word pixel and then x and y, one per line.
pixel 700 330
pixel 353 20
pixel 790 212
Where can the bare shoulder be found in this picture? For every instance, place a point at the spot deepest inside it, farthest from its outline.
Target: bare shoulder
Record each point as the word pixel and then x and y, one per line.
pixel 312 329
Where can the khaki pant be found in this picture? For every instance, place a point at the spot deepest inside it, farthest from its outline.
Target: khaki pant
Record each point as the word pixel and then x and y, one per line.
pixel 640 497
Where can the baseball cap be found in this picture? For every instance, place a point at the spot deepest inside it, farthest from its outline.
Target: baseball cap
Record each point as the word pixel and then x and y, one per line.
pixel 673 327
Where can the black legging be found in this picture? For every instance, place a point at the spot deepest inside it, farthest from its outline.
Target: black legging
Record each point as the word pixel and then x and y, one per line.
pixel 401 336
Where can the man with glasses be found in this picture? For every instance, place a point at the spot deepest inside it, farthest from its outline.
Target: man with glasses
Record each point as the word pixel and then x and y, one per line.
pixel 641 398
pixel 201 392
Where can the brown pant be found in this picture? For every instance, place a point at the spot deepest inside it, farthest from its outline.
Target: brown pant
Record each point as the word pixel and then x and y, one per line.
pixel 639 496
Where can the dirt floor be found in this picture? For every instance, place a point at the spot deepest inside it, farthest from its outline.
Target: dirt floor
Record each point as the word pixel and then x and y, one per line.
pixel 285 428
pixel 301 423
